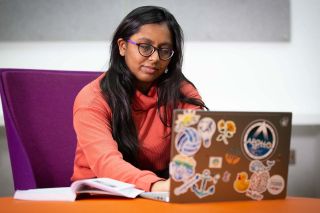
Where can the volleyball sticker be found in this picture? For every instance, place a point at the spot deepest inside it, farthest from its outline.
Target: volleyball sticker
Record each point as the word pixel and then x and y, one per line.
pixel 259 140
pixel 188 141
pixel 206 128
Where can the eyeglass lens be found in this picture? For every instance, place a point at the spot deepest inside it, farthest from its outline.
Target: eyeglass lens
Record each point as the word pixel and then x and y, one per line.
pixel 147 50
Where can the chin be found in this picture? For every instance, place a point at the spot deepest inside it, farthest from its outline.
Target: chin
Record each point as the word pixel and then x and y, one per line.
pixel 147 79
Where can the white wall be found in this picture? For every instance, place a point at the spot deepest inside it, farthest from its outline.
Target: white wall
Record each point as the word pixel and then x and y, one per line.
pixel 264 76
pixel 258 76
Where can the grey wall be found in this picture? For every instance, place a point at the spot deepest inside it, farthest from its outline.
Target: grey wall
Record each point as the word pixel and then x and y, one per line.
pixel 6 180
pixel 202 20
pixel 303 178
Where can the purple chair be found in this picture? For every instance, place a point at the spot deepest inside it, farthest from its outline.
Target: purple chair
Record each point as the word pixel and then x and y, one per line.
pixel 37 107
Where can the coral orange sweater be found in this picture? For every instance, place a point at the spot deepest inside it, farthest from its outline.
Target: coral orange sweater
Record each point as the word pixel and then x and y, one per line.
pixel 97 152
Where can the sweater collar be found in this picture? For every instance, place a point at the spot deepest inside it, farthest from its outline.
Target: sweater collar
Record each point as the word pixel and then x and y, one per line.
pixel 145 102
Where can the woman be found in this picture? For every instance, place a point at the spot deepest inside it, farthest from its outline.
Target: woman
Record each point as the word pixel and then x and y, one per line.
pixel 123 118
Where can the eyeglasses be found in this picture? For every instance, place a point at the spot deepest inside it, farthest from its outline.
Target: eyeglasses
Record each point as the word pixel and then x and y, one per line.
pixel 147 50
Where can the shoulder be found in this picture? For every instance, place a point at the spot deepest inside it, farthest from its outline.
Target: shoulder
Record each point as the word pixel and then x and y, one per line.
pixel 91 96
pixel 189 90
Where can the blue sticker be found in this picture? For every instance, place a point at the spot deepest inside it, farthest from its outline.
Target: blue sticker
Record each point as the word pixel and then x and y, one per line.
pixel 182 168
pixel 205 188
pixel 187 185
pixel 188 141
pixel 259 140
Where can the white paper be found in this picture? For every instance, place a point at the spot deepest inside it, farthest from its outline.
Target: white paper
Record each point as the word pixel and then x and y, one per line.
pixel 46 194
pixel 105 186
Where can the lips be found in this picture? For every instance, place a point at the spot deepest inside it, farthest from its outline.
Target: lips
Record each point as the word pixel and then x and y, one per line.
pixel 148 69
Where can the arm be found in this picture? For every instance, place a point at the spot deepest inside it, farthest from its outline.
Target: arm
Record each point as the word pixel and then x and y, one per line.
pixel 101 153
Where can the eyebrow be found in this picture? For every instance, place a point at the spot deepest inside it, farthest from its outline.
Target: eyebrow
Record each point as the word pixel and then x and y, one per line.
pixel 144 39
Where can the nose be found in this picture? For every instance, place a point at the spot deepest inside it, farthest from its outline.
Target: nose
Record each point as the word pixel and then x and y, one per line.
pixel 154 56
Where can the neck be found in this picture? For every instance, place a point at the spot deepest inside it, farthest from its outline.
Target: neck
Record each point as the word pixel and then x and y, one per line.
pixel 144 87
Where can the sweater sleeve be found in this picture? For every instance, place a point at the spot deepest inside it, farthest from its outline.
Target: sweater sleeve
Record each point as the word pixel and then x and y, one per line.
pixel 95 139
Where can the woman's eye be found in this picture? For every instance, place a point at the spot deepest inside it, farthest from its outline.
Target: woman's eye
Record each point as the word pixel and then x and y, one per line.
pixel 146 48
pixel 165 51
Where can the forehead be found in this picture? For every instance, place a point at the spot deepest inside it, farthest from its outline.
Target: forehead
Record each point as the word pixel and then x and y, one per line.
pixel 155 33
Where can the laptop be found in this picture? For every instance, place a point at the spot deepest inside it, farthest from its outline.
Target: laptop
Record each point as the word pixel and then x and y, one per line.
pixel 228 156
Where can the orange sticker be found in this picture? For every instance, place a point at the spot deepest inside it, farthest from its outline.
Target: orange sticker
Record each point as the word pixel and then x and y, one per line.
pixel 227 129
pixel 232 159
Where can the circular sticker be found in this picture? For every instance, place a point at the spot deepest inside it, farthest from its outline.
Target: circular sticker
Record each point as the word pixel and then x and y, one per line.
pixel 182 168
pixel 275 184
pixel 188 141
pixel 259 140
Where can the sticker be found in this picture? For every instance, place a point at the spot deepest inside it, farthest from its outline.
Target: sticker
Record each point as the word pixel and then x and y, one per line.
pixel 284 122
pixel 257 166
pixel 254 195
pixel 188 141
pixel 227 129
pixel 215 162
pixel 204 190
pixel 241 183
pixel 259 179
pixel 206 128
pixel 226 176
pixel 259 140
pixel 258 182
pixel 231 159
pixel 182 168
pixel 276 184
pixel 186 119
pixel 187 185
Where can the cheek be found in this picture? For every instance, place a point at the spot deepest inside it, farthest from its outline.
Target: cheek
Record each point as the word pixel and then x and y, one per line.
pixel 164 64
pixel 133 61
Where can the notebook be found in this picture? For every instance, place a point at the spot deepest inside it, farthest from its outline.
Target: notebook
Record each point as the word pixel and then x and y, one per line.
pixel 229 156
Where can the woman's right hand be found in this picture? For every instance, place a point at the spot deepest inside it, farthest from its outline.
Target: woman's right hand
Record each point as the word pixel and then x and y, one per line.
pixel 161 186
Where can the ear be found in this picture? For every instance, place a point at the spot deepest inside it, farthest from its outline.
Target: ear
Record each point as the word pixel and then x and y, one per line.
pixel 122 44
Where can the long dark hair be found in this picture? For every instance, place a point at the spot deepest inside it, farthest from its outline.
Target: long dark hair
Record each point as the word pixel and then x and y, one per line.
pixel 118 85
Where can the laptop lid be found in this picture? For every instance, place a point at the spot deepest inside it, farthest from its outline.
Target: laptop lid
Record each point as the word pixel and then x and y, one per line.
pixel 228 156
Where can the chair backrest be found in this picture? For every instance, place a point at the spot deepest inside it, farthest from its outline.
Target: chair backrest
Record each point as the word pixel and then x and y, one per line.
pixel 37 107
